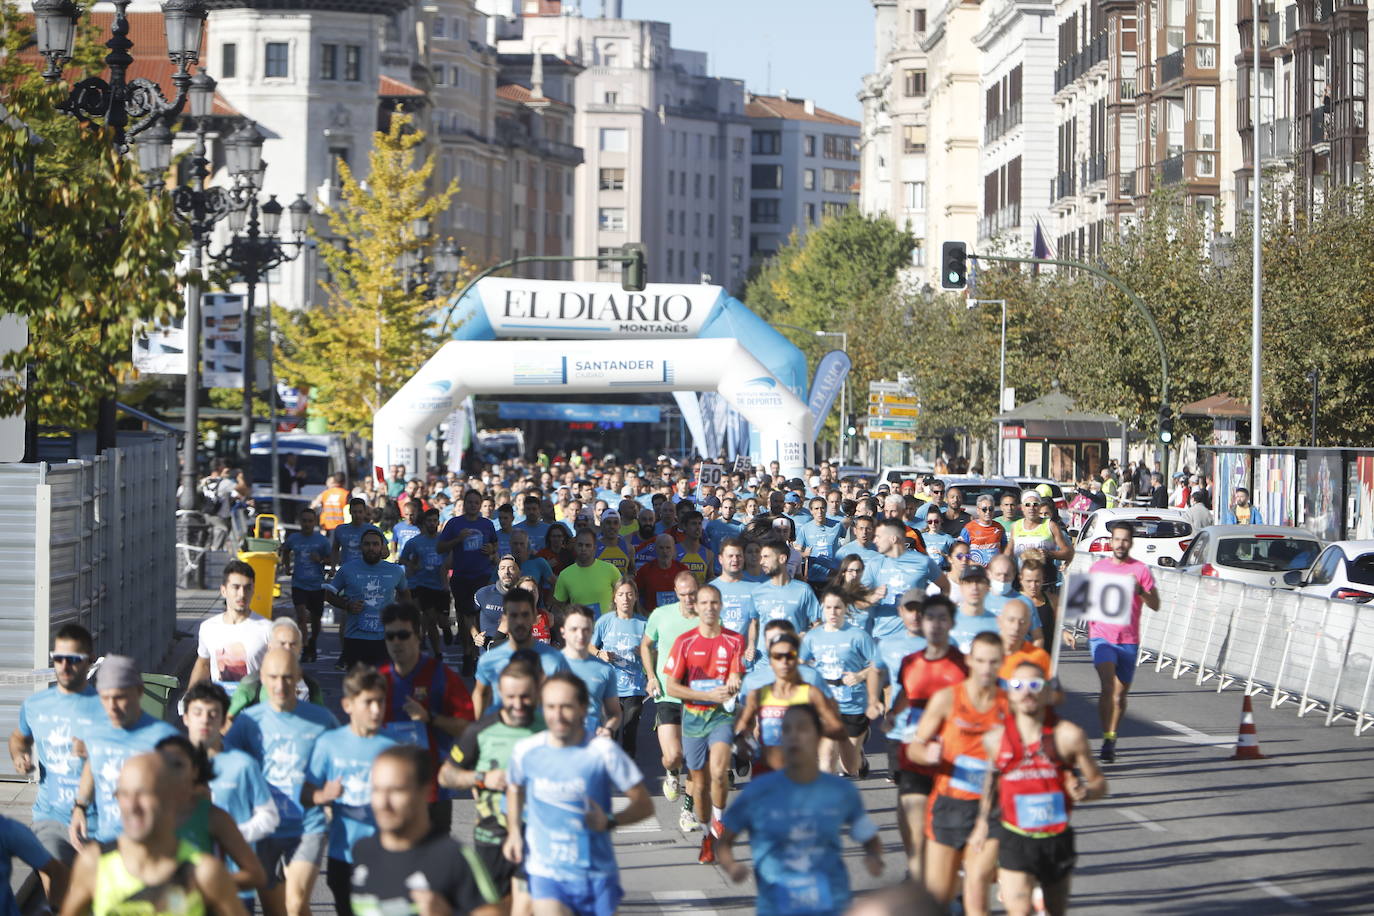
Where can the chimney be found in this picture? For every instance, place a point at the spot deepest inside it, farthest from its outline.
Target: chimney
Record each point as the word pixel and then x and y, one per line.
pixel 810 106
pixel 783 95
pixel 611 9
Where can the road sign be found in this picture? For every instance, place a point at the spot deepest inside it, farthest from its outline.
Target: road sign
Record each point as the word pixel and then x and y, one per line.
pixel 710 476
pixel 891 435
pixel 893 410
pixel 891 423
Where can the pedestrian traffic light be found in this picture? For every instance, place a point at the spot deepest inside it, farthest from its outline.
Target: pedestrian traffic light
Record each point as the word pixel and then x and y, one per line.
pixel 634 275
pixel 953 265
pixel 1166 425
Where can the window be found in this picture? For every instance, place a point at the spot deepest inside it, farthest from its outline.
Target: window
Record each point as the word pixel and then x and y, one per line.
pixel 915 194
pixel 438 26
pixel 696 184
pixel 767 142
pixel 614 140
pixel 682 222
pixel 918 254
pixel 711 186
pixel 670 222
pixel 337 155
pixel 737 148
pixel 275 59
pixel 913 139
pixel 607 253
pixel 838 181
pixel 737 189
pixel 353 63
pixel 809 145
pixel 1205 118
pixel 809 211
pixel 696 224
pixel 1205 23
pixel 808 179
pixel 766 178
pixel 612 179
pixel 764 210
pixel 610 98
pixel 915 83
pixel 710 225
pixel 611 219
pixel 831 210
pixel 329 62
pixel 228 60
pixel 736 227
pixel 918 21
pixel 438 73
pixel 837 146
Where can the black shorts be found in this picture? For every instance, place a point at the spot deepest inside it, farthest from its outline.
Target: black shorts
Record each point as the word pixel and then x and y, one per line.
pixel 368 651
pixel 1048 859
pixel 952 820
pixel 433 600
pixel 465 595
pixel 855 724
pixel 310 599
pixel 912 783
pixel 668 714
pixel 502 870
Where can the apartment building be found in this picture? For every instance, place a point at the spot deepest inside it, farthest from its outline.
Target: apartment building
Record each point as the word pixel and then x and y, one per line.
pixel 803 168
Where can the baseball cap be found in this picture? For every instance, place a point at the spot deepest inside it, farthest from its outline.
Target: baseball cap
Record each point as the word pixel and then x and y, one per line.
pixel 610 515
pixel 974 573
pixel 1045 491
pixel 913 596
pixel 627 490
pixel 1030 496
pixel 908 485
pixel 712 502
pixel 792 498
pixel 796 483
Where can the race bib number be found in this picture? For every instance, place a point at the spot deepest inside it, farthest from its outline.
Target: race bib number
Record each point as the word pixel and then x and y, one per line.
pixel 904 727
pixel 1036 812
pixel 770 724
pixel 705 684
pixel 367 622
pixel 560 839
pixel 807 892
pixel 662 598
pixel 472 541
pixel 407 732
pixel 968 773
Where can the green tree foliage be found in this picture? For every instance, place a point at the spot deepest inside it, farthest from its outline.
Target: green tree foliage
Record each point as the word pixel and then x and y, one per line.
pixel 334 349
pixel 87 253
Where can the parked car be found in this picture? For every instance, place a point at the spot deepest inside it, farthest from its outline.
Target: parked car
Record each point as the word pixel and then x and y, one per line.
pixel 970 488
pixel 1061 500
pixel 894 474
pixel 1344 570
pixel 1161 535
pixel 1254 554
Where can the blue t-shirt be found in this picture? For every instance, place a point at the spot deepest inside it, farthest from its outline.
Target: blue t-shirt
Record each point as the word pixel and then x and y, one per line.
pixel 794 833
pixel 794 601
pixel 718 530
pixel 853 548
pixel 238 785
pixel 601 685
pixel 342 755
pixel 558 782
pixel 430 574
pixel 761 675
pixel 107 747
pixel 538 569
pixel 894 648
pixel 349 538
pixel 937 543
pixel 965 628
pixel 491 606
pixel 736 604
pixel 401 534
pixel 281 743
pixel 993 604
pixel 538 532
pixel 52 719
pixel 469 562
pixel 16 840
pixel 832 653
pixel 309 553
pixel 911 570
pixel 375 586
pixel 490 665
pixel 502 542
pixel 621 638
pixel 823 539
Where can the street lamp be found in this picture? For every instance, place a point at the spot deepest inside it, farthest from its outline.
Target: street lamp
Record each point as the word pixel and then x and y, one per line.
pixel 1001 368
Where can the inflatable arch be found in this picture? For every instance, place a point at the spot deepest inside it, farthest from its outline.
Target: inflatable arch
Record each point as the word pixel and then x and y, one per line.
pixel 686 338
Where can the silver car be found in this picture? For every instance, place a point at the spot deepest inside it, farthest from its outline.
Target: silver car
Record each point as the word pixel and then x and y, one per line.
pixel 1254 554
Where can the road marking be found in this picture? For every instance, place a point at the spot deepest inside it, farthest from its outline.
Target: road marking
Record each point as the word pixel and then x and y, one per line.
pixel 648 825
pixel 1188 735
pixel 1274 890
pixel 1143 821
pixel 695 899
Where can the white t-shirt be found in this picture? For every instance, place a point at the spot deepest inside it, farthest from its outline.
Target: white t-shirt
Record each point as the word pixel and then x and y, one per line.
pixel 233 650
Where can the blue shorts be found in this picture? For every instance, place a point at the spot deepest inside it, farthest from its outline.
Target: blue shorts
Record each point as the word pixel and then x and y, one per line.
pixel 1122 656
pixel 586 895
pixel 696 751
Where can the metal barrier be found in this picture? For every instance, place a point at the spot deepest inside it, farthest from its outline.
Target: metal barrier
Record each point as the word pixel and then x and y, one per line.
pixel 1315 652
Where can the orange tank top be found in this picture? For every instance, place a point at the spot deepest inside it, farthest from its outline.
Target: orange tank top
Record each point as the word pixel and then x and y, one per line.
pixel 963 759
pixel 333 502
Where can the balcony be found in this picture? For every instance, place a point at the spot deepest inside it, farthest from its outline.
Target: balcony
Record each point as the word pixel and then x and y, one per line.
pixel 1171 170
pixel 1002 122
pixel 1062 185
pixel 1170 67
pixel 992 224
pixel 1320 132
pixel 1276 140
pixel 1126 181
pixel 1126 88
pixel 1095 169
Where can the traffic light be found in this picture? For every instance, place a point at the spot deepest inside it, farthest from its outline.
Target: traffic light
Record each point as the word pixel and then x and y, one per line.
pixel 953 265
pixel 1166 425
pixel 850 428
pixel 634 273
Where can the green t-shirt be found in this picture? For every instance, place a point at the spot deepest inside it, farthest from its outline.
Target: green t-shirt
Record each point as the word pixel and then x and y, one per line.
pixel 665 625
pixel 487 745
pixel 590 586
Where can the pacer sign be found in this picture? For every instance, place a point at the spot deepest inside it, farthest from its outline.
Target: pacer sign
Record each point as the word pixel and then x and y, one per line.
pixel 558 308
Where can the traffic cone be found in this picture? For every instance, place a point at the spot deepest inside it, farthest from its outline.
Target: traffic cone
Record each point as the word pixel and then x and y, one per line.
pixel 1247 742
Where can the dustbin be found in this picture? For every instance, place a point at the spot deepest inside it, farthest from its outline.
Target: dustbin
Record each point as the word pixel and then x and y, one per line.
pixel 157 692
pixel 193 533
pixel 257 541
pixel 264 563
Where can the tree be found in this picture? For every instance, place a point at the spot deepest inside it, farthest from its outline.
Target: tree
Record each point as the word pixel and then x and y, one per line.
pixel 376 329
pixel 87 252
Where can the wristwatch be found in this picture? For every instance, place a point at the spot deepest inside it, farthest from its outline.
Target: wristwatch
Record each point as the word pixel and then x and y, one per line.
pixel 82 805
pixel 611 823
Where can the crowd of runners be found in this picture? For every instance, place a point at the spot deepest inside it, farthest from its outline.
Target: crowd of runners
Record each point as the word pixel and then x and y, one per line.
pixel 510 644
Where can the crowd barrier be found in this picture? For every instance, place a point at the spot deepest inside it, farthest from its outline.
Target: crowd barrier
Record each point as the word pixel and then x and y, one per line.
pixel 1316 653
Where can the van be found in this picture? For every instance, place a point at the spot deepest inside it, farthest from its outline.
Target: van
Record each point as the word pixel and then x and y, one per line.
pixel 305 460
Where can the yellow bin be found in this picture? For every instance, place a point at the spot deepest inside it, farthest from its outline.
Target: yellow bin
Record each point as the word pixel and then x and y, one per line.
pixel 264 563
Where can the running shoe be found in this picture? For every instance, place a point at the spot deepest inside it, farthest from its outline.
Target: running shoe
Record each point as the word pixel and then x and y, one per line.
pixel 743 766
pixel 717 828
pixel 1108 752
pixel 687 821
pixel 708 850
pixel 670 786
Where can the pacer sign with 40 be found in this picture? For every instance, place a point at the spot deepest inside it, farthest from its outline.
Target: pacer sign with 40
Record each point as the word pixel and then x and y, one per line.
pixel 1101 597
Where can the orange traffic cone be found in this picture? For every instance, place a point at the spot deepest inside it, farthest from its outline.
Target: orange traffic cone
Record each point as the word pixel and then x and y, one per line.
pixel 1247 742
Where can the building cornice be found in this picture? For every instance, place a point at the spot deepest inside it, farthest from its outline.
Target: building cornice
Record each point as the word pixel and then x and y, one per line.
pixel 364 7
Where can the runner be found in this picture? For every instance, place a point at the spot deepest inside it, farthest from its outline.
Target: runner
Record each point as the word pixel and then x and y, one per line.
pixel 520 616
pixel 737 611
pixel 18 841
pixel 561 781
pixel 338 776
pixel 348 538
pixel 665 625
pixel 795 819
pixel 44 740
pixel 847 658
pixel 603 713
pixel 588 582
pixel 535 567
pixel 535 528
pixel 471 539
pixel 411 865
pixel 487 632
pixel 1002 594
pixel 898 571
pixel 1116 648
pixel 782 597
pixel 478 764
pixel 1013 628
pixel 1034 571
pixel 986 538
pixel 611 547
pixel 691 552
pixel 704 671
pixel 147 868
pixel 427 572
pixel 361 588
pixel 932 531
pixel 231 645
pixel 950 736
pixel 973 617
pixel 918 677
pixel 1037 532
pixel 285 634
pixel 309 550
pixel 280 735
pixel 820 539
pixel 1039 771
pixel 616 638
pixel 766 705
pixel 656 579
pixel 403 531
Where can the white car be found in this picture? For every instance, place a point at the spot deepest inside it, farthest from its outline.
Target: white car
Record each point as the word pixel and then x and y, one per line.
pixel 1254 554
pixel 1161 535
pixel 1344 570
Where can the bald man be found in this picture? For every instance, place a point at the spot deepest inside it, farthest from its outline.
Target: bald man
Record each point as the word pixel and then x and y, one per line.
pixel 279 733
pixel 149 867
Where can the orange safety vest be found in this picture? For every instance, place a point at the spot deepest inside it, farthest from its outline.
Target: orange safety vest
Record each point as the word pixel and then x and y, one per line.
pixel 333 502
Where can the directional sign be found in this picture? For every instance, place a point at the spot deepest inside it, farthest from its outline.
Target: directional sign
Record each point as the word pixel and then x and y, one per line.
pixel 891 423
pixel 893 410
pixel 891 435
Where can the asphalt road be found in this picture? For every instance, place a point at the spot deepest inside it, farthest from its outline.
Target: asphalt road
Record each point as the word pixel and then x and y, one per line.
pixel 1182 830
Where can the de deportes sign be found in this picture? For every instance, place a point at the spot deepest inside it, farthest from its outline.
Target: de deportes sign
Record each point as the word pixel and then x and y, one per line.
pixel 531 308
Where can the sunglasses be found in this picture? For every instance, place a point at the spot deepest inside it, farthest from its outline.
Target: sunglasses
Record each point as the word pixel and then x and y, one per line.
pixel 1030 504
pixel 399 635
pixel 780 656
pixel 985 508
pixel 1030 684
pixel 64 658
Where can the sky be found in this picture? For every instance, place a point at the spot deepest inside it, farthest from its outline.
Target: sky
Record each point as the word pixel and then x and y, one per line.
pixel 816 49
